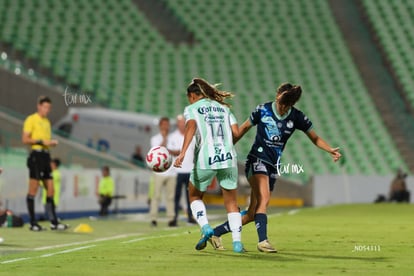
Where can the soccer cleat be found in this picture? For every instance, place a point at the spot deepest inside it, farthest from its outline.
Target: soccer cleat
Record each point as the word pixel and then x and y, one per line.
pixel 238 247
pixel 59 226
pixel 216 243
pixel 154 223
pixel 36 227
pixel 207 232
pixel 265 246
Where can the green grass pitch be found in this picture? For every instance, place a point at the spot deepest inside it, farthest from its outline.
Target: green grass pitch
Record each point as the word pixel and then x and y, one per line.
pixel 363 239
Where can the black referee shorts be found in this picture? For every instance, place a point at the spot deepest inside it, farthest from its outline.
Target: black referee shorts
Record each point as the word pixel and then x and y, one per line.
pixel 38 163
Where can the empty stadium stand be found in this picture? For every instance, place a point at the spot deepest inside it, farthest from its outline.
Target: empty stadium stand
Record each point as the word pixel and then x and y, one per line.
pixel 392 22
pixel 109 49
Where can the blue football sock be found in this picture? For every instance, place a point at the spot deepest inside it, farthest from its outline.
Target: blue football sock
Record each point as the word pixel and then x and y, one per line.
pixel 225 227
pixel 222 229
pixel 261 226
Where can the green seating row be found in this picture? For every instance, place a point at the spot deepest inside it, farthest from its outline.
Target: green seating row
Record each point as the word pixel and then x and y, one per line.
pixel 392 22
pixel 110 49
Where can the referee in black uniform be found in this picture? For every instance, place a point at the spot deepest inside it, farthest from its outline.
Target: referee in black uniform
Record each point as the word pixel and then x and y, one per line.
pixel 37 134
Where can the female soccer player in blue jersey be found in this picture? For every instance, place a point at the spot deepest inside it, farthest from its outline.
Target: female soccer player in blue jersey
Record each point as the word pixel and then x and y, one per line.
pixel 210 120
pixel 276 121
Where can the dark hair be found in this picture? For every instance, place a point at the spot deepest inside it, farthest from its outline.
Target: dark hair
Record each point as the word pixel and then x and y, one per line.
pixel 105 168
pixel 290 94
pixel 401 174
pixel 56 161
pixel 202 87
pixel 162 119
pixel 44 99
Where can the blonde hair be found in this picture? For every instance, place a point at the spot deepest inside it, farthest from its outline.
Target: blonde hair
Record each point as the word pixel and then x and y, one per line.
pixel 200 86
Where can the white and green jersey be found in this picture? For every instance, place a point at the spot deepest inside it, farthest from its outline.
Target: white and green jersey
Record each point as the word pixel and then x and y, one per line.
pixel 214 140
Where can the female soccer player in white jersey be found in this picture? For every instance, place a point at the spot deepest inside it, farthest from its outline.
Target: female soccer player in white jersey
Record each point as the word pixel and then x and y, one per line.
pixel 276 121
pixel 209 118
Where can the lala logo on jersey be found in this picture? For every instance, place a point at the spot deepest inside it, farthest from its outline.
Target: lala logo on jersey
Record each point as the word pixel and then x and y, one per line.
pixel 219 157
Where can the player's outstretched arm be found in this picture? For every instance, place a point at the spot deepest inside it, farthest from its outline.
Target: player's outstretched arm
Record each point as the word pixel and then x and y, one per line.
pixel 243 129
pixel 234 131
pixel 322 144
pixel 190 129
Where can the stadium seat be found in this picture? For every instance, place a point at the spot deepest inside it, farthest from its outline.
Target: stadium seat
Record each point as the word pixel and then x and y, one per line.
pixel 392 22
pixel 111 50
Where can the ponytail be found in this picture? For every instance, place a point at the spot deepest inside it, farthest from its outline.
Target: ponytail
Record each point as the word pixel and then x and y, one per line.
pixel 210 91
pixel 290 94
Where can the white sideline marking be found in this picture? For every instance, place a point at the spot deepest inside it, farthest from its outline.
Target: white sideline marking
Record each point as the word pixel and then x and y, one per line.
pixel 275 215
pixel 86 242
pixel 67 251
pixel 15 260
pixel 292 212
pixel 89 246
pixel 48 255
pixel 151 238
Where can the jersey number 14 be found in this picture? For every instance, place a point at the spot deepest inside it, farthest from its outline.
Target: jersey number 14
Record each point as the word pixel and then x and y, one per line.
pixel 217 131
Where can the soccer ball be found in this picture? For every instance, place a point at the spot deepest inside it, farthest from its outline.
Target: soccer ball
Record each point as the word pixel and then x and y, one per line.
pixel 159 159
